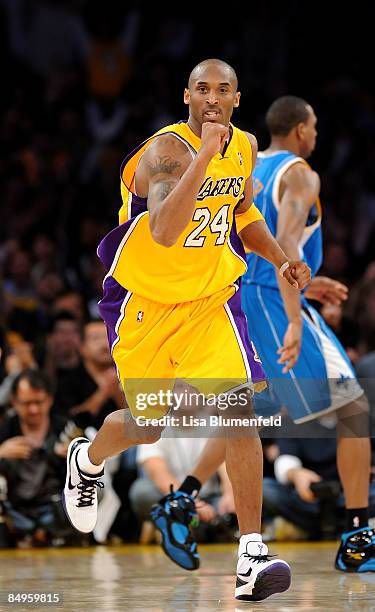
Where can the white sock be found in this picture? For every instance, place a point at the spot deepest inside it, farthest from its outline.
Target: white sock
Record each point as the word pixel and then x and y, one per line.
pixel 248 537
pixel 84 462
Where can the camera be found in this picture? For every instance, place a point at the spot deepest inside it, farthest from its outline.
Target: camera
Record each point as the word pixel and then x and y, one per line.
pixel 327 492
pixel 326 489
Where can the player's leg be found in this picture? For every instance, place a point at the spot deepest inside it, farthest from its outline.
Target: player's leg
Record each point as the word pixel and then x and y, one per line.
pixel 357 547
pixel 353 427
pixel 140 355
pixel 258 574
pixel 85 465
pixel 244 463
pixel 224 332
pixel 354 454
pixel 179 508
pixel 323 381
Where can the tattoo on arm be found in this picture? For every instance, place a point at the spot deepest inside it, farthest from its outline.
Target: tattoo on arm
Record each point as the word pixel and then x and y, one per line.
pixel 164 165
pixel 164 188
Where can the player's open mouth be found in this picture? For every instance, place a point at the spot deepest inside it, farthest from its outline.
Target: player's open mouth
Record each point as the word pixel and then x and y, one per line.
pixel 211 114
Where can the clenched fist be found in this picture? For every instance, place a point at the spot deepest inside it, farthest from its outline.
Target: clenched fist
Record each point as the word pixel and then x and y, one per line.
pixel 298 274
pixel 213 138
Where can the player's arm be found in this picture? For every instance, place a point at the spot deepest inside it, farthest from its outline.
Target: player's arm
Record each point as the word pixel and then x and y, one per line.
pixel 257 237
pixel 172 180
pixel 299 190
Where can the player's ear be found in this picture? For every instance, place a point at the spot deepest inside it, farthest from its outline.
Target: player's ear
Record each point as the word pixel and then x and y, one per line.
pixel 186 96
pixel 300 130
pixel 236 102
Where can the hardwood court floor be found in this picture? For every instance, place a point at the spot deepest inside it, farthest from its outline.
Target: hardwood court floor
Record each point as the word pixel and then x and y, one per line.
pixel 141 578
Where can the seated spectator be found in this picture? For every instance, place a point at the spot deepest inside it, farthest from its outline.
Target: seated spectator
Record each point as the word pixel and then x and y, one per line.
pixel 92 391
pixel 33 446
pixel 21 300
pixel 18 288
pixel 306 491
pixel 45 255
pixel 166 463
pixel 73 302
pixel 48 286
pixel 63 350
pixel 18 356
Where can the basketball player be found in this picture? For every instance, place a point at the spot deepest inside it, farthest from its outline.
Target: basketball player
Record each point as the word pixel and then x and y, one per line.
pixel 187 194
pixel 310 372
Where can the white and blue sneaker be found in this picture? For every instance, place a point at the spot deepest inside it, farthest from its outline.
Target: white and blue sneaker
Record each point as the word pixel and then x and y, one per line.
pixel 259 575
pixel 80 499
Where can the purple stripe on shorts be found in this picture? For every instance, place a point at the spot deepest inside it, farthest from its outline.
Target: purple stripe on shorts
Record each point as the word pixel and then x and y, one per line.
pixel 257 372
pixel 110 306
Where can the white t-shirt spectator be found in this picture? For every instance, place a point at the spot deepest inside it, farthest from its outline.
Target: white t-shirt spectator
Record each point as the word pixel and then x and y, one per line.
pixel 181 455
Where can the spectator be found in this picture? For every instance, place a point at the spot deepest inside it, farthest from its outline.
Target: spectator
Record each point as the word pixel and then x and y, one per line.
pixel 19 356
pixel 48 286
pixel 21 300
pixel 18 289
pixel 71 301
pixel 93 390
pixel 63 351
pixel 45 255
pixel 32 450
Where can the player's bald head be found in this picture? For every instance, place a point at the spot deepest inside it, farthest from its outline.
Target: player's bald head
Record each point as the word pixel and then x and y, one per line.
pixel 228 73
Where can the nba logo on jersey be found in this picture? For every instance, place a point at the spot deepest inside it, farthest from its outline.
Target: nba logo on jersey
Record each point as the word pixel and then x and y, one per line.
pixel 140 316
pixel 240 157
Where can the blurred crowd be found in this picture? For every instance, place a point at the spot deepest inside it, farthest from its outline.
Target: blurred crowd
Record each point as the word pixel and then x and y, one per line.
pixel 84 85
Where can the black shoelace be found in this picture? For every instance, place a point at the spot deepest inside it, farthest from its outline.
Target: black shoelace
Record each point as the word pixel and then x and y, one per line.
pixel 259 558
pixel 87 491
pixel 183 507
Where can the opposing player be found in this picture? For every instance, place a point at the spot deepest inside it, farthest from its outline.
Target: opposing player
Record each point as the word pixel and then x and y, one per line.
pixel 172 305
pixel 308 368
pixel 313 376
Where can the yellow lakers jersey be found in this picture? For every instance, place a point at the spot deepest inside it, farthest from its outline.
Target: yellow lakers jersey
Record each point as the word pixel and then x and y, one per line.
pixel 208 256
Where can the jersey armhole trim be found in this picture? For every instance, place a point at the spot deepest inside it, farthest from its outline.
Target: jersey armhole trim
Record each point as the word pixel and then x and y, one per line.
pixel 279 174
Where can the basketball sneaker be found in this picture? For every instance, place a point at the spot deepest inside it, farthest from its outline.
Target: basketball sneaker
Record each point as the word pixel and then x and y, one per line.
pixel 259 575
pixel 80 492
pixel 174 516
pixel 357 551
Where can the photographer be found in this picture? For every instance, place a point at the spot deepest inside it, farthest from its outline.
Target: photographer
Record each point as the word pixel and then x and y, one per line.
pixel 33 446
pixel 306 490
